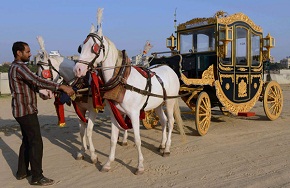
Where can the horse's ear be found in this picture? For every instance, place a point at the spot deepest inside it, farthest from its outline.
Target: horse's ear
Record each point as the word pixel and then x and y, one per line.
pixel 93 29
pixel 100 32
pixel 40 42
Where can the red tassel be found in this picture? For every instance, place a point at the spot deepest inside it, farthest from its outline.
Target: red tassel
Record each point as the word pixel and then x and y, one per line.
pixel 96 94
pixel 59 111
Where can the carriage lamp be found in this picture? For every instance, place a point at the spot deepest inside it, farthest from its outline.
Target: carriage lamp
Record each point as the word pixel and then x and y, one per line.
pixel 225 35
pixel 268 43
pixel 171 42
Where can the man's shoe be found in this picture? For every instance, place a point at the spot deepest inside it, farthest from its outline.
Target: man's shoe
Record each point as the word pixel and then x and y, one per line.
pixel 43 182
pixel 20 177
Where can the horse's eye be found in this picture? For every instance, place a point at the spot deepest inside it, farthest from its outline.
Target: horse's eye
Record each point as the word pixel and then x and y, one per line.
pixel 80 48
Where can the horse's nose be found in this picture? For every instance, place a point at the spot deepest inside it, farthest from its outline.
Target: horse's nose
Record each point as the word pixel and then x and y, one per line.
pixel 77 71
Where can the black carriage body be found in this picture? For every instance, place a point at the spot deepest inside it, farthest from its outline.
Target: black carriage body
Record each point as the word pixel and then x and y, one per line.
pixel 224 54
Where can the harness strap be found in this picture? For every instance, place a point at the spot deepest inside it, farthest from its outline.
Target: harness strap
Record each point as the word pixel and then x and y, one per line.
pixel 144 92
pixel 162 84
pixel 148 86
pixel 112 83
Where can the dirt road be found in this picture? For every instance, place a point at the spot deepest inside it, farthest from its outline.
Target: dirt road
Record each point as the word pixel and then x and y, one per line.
pixel 236 152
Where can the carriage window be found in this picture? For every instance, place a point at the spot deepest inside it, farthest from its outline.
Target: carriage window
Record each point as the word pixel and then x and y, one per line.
pixel 228 59
pixel 255 39
pixel 186 43
pixel 197 41
pixel 241 46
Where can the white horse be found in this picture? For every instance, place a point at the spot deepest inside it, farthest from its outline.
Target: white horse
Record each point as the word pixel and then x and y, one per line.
pixel 98 52
pixel 61 67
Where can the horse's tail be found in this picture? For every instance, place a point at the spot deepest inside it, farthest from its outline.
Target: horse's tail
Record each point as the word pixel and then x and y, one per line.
pixel 177 117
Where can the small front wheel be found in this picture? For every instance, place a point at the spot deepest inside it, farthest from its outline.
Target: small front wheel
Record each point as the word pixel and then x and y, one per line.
pixel 273 100
pixel 202 113
pixel 151 119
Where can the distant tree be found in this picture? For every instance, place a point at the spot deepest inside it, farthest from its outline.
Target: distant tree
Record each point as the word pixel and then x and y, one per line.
pixel 33 68
pixel 5 68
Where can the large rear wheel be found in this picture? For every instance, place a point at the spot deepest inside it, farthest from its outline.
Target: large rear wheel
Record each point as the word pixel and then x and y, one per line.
pixel 202 113
pixel 273 100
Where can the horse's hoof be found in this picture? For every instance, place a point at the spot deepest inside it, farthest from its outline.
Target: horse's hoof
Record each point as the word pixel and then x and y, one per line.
pixel 80 158
pixel 124 143
pixel 95 161
pixel 166 154
pixel 139 172
pixel 105 169
pixel 161 150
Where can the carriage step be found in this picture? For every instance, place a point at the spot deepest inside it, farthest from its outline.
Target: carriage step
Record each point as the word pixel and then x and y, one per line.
pixel 246 114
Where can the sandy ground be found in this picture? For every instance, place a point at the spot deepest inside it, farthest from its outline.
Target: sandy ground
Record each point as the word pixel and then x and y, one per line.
pixel 236 152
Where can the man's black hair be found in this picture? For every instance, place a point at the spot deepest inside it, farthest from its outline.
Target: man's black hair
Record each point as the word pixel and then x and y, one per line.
pixel 19 45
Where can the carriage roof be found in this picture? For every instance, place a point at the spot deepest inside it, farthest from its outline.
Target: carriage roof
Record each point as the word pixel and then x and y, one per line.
pixel 219 18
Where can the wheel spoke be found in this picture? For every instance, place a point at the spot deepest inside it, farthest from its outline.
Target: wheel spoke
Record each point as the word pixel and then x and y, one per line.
pixel 273 100
pixel 203 109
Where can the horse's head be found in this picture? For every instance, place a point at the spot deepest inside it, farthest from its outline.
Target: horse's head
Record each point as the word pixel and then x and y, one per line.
pixel 93 50
pixel 47 68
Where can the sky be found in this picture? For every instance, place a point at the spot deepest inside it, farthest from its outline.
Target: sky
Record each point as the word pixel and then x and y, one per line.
pixel 64 24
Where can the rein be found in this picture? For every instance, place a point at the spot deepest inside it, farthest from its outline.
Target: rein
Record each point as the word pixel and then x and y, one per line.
pixel 119 78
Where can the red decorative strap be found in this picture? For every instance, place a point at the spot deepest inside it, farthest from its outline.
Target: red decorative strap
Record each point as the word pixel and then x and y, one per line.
pixel 78 112
pixel 59 111
pixel 124 124
pixel 96 94
pixel 143 72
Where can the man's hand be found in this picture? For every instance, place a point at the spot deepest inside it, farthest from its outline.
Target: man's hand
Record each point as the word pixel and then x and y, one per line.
pixel 68 90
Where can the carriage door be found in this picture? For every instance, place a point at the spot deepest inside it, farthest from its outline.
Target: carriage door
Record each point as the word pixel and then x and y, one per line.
pixel 247 64
pixel 241 65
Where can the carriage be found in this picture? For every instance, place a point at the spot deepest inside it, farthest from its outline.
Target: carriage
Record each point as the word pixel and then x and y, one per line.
pixel 220 62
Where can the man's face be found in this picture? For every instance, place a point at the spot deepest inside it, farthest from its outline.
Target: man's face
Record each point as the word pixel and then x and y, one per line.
pixel 25 55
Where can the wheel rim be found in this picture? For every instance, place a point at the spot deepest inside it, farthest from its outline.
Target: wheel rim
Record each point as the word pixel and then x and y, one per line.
pixel 273 100
pixel 151 119
pixel 202 113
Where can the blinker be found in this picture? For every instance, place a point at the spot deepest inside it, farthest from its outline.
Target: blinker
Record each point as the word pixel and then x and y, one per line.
pixel 79 49
pixel 95 48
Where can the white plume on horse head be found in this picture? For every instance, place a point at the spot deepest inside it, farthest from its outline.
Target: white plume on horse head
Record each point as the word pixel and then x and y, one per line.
pixel 99 20
pixel 42 51
pixel 40 42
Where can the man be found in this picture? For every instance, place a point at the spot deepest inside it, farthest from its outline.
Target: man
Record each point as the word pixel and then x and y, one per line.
pixel 23 85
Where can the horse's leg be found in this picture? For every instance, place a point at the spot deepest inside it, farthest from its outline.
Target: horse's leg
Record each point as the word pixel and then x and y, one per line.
pixel 114 138
pixel 125 138
pixel 169 111
pixel 136 128
pixel 82 125
pixel 163 121
pixel 91 118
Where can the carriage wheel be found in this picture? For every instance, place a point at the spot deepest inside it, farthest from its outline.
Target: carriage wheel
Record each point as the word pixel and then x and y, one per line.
pixel 273 100
pixel 202 113
pixel 151 119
